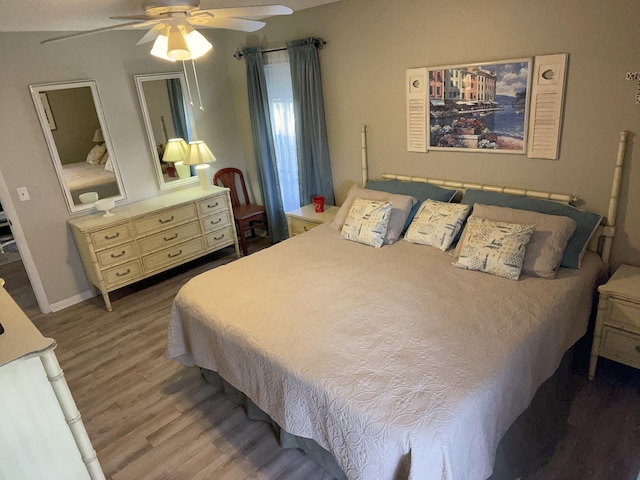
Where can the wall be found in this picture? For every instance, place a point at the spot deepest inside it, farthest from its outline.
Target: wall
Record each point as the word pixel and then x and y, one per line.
pixel 372 42
pixel 112 59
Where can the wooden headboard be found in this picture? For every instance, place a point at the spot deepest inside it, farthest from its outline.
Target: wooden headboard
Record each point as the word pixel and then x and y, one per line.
pixel 601 241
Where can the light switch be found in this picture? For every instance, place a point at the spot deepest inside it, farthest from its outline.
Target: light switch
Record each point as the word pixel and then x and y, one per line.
pixel 23 194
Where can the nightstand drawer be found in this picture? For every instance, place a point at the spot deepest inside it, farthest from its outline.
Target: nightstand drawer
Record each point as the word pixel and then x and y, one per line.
pixel 111 236
pixel 300 226
pixel 620 345
pixel 176 254
pixel 115 255
pixel 165 220
pixel 625 314
pixel 124 273
pixel 169 237
pixel 215 221
pixel 211 205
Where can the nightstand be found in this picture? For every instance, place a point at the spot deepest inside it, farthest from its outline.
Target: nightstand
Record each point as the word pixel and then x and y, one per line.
pixel 617 332
pixel 305 218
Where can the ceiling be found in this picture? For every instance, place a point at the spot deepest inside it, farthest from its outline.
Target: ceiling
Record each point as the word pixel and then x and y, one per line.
pixel 74 15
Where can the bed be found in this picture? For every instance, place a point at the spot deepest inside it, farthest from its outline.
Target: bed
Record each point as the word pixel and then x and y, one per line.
pixel 392 360
pixel 84 177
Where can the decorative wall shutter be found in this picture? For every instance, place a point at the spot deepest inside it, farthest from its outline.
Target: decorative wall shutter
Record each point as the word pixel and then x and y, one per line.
pixel 547 99
pixel 417 85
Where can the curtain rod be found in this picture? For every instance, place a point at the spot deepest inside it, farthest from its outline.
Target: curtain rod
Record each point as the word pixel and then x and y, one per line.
pixel 320 43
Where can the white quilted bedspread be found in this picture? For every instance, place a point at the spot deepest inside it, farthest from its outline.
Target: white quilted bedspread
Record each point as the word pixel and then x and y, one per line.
pixel 400 364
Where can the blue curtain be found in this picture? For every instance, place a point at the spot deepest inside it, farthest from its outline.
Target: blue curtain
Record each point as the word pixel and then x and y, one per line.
pixel 263 144
pixel 314 163
pixel 178 116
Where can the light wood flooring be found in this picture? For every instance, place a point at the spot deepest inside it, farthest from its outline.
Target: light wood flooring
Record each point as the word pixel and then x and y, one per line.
pixel 151 418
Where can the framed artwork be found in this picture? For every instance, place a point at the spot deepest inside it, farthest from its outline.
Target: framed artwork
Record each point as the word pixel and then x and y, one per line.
pixel 480 107
pixel 47 110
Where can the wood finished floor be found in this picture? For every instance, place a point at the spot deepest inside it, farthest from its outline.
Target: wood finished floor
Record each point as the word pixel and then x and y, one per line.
pixel 151 418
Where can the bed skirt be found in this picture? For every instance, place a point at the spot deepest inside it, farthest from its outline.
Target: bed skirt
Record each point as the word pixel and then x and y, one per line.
pixel 529 442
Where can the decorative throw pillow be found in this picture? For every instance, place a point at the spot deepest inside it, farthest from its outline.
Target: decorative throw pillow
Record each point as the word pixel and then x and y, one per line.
pixel 367 222
pixel 437 223
pixel 497 248
pixel 549 239
pixel 108 165
pixel 96 153
pixel 401 206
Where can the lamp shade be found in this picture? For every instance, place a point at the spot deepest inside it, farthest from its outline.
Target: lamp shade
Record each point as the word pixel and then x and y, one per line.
pixel 180 43
pixel 198 153
pixel 177 45
pixel 175 151
pixel 97 136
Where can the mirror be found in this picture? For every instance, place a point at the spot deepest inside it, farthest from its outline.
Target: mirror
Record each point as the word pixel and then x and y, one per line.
pixel 166 115
pixel 76 133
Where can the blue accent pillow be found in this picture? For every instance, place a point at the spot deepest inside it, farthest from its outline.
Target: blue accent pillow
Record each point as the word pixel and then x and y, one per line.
pixel 586 222
pixel 421 191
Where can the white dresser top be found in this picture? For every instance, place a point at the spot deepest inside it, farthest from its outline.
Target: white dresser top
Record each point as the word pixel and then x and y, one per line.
pixel 142 207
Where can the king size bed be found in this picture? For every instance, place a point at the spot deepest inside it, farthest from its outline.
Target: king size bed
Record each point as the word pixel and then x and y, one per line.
pixel 401 362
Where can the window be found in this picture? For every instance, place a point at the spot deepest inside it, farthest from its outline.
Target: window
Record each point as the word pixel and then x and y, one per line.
pixel 280 93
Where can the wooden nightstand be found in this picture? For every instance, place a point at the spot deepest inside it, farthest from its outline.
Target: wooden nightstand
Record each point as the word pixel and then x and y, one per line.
pixel 305 218
pixel 617 333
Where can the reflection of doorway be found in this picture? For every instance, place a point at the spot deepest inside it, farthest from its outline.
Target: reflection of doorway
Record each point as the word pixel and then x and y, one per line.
pixel 26 266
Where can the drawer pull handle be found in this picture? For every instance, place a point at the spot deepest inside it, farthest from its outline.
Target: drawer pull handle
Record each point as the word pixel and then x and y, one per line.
pixel 305 228
pixel 219 238
pixel 174 255
pixel 168 239
pixel 638 348
pixel 214 205
pixel 217 221
pixel 113 255
pixel 166 221
pixel 123 274
pixel 107 237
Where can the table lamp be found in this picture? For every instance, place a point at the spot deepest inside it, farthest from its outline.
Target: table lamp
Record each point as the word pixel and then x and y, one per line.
pixel 198 154
pixel 175 152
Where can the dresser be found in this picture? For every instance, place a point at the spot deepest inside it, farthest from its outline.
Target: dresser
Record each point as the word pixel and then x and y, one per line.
pixel 305 218
pixel 42 435
pixel 617 331
pixel 147 237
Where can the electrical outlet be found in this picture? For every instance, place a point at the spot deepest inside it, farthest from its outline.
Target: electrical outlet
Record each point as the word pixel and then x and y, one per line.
pixel 23 194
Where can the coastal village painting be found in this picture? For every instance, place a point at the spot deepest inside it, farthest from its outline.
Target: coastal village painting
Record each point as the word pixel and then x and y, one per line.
pixel 479 107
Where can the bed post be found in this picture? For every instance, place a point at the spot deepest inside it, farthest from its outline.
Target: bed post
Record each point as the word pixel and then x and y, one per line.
pixel 610 226
pixel 363 146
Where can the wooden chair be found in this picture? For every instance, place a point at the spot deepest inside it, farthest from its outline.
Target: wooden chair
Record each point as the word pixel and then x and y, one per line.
pixel 247 216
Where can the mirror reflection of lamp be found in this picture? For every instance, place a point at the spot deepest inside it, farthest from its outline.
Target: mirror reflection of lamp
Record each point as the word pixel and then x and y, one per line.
pixel 97 136
pixel 198 154
pixel 174 153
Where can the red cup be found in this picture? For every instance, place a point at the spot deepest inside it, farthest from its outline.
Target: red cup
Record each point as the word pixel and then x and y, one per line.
pixel 318 204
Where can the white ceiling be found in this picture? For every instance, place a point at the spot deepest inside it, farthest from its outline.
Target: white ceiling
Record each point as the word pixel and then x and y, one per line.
pixel 74 15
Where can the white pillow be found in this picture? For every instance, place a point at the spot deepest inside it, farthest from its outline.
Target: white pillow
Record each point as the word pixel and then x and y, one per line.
pixel 108 165
pixel 367 222
pixel 437 223
pixel 497 248
pixel 401 207
pixel 96 153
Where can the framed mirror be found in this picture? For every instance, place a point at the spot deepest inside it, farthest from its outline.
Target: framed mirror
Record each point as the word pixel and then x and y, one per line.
pixel 78 139
pixel 167 115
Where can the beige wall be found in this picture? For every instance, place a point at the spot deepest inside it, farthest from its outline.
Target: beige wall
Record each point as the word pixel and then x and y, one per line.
pixel 372 42
pixel 112 60
pixel 370 45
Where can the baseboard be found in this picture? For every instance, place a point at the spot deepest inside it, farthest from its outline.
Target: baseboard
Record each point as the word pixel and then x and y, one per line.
pixel 67 302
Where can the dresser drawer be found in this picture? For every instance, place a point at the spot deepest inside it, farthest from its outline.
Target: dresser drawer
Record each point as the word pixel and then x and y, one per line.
pixel 212 205
pixel 116 255
pixel 625 314
pixel 298 226
pixel 620 345
pixel 166 220
pixel 167 238
pixel 111 236
pixel 122 274
pixel 216 221
pixel 176 254
pixel 219 238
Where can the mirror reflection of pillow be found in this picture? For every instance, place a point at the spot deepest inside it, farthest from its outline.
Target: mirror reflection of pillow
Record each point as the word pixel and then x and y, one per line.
pixel 96 154
pixel 108 166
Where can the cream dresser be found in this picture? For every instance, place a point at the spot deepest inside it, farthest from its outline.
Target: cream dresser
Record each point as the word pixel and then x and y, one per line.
pixel 305 218
pixel 617 332
pixel 153 235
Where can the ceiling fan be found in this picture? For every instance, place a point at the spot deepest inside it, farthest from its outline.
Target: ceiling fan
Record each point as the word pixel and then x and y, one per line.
pixel 171 24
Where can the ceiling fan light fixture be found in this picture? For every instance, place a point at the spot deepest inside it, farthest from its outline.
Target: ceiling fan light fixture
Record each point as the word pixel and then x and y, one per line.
pixel 198 44
pixel 177 47
pixel 160 48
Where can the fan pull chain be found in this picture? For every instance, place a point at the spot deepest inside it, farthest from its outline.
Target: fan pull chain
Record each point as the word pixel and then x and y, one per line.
pixel 195 75
pixel 186 77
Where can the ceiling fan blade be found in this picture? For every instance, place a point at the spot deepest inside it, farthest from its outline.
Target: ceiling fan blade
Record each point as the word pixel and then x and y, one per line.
pixel 88 32
pixel 229 23
pixel 257 11
pixel 142 18
pixel 152 34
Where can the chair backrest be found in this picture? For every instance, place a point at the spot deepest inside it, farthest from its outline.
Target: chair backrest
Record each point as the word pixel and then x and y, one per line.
pixel 231 178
